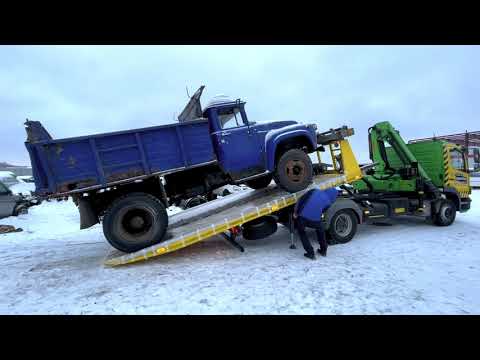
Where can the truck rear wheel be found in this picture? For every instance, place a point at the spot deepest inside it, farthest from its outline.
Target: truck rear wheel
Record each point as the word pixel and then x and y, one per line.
pixel 343 226
pixel 134 222
pixel 260 183
pixel 294 171
pixel 446 214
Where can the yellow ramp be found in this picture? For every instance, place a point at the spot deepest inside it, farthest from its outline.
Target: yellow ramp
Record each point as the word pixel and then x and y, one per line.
pixel 254 205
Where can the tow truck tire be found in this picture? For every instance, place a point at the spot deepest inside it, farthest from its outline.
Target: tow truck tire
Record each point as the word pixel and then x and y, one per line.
pixel 135 221
pixel 343 227
pixel 259 228
pixel 294 171
pixel 260 183
pixel 446 214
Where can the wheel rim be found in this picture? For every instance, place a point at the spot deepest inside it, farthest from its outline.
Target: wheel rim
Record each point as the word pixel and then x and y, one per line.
pixel 295 170
pixel 447 212
pixel 343 225
pixel 137 221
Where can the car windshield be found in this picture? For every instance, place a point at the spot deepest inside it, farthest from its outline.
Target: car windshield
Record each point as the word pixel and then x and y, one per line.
pixel 3 189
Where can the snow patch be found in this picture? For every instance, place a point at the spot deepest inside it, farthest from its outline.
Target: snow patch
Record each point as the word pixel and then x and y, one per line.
pixel 411 267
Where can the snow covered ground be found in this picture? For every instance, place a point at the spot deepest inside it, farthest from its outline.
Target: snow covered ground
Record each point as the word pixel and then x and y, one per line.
pixel 22 188
pixel 412 267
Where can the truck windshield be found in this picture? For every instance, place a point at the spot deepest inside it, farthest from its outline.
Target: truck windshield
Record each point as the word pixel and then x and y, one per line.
pixel 457 160
pixel 230 118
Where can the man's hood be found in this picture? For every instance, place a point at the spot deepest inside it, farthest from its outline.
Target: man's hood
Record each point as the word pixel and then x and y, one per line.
pixel 331 194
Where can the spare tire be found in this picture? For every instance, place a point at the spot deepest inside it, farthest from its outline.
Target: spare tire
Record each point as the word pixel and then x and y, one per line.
pixel 259 228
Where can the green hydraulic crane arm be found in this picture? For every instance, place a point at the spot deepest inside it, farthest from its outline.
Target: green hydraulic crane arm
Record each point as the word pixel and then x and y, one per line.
pixel 384 131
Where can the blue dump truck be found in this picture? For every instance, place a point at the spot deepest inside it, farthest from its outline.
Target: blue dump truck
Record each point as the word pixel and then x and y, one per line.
pixel 127 179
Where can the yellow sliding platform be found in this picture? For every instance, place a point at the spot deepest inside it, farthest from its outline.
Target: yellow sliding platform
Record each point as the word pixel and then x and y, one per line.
pixel 202 222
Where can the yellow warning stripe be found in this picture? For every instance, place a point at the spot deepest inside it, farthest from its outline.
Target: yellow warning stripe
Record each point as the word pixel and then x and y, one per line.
pixel 214 229
pixel 449 175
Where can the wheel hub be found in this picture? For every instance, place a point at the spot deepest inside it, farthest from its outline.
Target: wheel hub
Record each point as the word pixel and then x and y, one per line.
pixel 137 221
pixel 343 225
pixel 295 170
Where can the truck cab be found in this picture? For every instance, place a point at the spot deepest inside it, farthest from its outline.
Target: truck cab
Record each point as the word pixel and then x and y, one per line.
pixel 238 142
pixel 247 151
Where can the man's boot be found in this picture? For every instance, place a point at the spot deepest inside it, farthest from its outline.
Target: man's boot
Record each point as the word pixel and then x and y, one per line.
pixel 310 255
pixel 322 252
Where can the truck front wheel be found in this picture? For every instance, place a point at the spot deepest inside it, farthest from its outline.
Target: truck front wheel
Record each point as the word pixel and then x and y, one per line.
pixel 294 171
pixel 343 227
pixel 134 222
pixel 446 214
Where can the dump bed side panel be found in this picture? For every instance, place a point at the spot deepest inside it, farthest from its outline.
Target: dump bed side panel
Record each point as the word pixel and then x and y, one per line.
pixel 71 164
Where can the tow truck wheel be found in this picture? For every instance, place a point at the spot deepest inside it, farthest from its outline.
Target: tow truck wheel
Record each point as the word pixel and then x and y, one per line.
pixel 260 183
pixel 134 222
pixel 294 171
pixel 446 214
pixel 343 226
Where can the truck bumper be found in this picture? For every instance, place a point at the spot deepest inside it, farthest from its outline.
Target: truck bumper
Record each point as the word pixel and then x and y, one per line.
pixel 465 204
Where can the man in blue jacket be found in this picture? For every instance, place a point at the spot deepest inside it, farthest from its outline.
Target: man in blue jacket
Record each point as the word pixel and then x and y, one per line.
pixel 308 213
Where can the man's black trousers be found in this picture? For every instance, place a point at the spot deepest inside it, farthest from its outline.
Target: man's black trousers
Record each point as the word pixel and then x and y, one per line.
pixel 301 224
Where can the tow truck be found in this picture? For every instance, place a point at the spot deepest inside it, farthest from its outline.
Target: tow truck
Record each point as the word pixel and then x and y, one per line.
pixel 427 179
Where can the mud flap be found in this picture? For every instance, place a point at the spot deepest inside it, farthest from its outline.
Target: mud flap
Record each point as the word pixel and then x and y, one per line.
pixel 88 218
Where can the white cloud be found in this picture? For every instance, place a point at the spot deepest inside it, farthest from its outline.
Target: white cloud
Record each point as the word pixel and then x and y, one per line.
pixel 78 90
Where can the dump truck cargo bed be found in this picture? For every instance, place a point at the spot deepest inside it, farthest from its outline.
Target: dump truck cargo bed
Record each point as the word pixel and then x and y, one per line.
pixel 65 166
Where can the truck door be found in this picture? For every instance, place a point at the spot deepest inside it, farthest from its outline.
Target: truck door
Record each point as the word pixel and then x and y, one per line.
pixel 236 145
pixel 457 175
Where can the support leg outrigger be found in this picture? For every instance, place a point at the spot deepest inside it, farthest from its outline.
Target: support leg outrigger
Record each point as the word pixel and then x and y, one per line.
pixel 292 231
pixel 231 237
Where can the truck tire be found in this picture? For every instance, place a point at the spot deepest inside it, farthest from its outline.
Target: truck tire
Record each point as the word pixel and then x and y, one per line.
pixel 343 226
pixel 260 183
pixel 294 171
pixel 259 228
pixel 446 214
pixel 135 221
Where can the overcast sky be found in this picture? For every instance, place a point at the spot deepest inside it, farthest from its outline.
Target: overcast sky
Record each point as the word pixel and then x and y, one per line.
pixel 81 90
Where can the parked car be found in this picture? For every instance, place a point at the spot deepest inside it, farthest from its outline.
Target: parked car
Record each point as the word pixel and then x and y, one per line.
pixel 26 178
pixel 8 178
pixel 11 204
